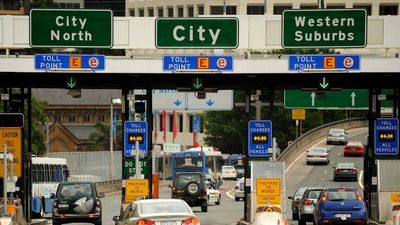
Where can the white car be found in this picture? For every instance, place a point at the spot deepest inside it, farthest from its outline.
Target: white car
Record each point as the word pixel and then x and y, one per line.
pixel 269 215
pixel 317 155
pixel 213 194
pixel 336 135
pixel 239 189
pixel 228 172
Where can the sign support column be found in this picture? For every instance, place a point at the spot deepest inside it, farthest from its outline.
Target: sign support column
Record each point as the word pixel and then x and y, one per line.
pixel 149 118
pixel 246 153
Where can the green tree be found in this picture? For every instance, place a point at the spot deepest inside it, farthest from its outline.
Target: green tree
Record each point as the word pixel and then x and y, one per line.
pixel 101 137
pixel 38 136
pixel 42 4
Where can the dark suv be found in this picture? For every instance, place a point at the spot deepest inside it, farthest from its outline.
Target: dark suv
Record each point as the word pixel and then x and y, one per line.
pixel 77 202
pixel 190 187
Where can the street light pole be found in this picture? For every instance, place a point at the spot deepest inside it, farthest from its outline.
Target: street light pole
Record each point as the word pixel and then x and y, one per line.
pixel 111 140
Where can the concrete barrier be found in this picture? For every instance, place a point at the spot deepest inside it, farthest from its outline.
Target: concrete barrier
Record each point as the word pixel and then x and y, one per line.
pixel 295 149
pixel 109 186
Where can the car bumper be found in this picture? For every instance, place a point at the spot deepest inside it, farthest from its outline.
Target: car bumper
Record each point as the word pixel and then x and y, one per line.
pixel 239 194
pixel 348 221
pixel 75 218
pixel 317 160
pixel 354 152
pixel 233 176
pixel 346 176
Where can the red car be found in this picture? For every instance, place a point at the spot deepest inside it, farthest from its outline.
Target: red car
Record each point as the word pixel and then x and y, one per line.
pixel 354 148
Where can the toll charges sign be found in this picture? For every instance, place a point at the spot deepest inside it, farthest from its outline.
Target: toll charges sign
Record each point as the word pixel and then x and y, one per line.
pixel 172 63
pixel 210 32
pixel 320 62
pixel 386 136
pixel 53 61
pixel 135 131
pixel 324 28
pixel 71 28
pixel 259 138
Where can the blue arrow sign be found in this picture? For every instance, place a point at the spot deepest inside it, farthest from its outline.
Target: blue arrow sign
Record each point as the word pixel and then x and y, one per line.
pixel 386 136
pixel 259 138
pixel 135 131
pixel 210 102
pixel 197 62
pixel 321 62
pixel 177 102
pixel 69 62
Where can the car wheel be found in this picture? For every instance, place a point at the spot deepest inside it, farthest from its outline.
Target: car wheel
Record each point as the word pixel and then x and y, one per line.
pixel 295 216
pixel 335 179
pixel 204 206
pixel 98 222
pixel 237 199
pixel 56 222
pixel 218 201
pixel 301 221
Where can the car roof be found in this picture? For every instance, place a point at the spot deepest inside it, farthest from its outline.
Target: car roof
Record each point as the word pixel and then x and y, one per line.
pixel 76 182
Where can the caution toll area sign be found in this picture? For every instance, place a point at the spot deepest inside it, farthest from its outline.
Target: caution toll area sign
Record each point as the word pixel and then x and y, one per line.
pixel 136 188
pixel 11 137
pixel 395 198
pixel 268 191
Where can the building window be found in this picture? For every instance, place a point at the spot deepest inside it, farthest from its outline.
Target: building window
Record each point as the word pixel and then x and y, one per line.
pixel 141 12
pixel 67 5
pixel 309 7
pixel 190 124
pixel 201 10
pixel 171 123
pixel 170 12
pixel 367 8
pixel 216 10
pixel 190 11
pixel 151 12
pixel 180 11
pixel 71 118
pixel 101 118
pixel 336 6
pixel 132 13
pixel 385 10
pixel 255 10
pixel 86 118
pixel 278 9
pixel 231 10
pixel 181 123
pixel 160 12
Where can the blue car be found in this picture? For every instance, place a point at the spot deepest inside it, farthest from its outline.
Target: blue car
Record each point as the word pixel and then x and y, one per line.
pixel 340 206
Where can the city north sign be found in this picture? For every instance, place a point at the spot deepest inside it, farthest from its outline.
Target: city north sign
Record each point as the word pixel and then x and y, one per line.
pixel 325 28
pixel 71 28
pixel 207 32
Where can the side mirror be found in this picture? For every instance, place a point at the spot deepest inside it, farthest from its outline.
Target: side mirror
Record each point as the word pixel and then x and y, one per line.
pixel 290 197
pixel 169 186
pixel 115 218
pixel 102 195
pixel 53 196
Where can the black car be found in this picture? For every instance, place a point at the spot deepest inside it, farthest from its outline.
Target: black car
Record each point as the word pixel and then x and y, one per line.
pixel 190 187
pixel 345 171
pixel 77 202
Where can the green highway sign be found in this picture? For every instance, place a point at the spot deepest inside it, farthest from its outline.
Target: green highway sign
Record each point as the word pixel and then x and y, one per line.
pixel 344 99
pixel 324 28
pixel 207 32
pixel 130 169
pixel 71 28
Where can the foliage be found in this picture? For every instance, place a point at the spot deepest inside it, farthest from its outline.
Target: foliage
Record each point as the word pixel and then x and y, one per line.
pixel 295 51
pixel 101 137
pixel 42 4
pixel 38 136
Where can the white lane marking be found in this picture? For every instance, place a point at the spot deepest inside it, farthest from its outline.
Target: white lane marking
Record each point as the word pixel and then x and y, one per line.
pixel 360 178
pixel 338 154
pixel 326 172
pixel 229 194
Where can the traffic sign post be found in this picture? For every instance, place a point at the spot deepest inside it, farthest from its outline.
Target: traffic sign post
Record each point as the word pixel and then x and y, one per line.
pixel 202 62
pixel 69 62
pixel 259 138
pixel 71 28
pixel 386 136
pixel 135 131
pixel 207 32
pixel 324 28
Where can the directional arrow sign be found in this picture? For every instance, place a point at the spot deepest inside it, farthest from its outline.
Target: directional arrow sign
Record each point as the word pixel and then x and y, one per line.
pixel 71 83
pixel 197 84
pixel 177 102
pixel 209 102
pixel 323 84
pixel 344 99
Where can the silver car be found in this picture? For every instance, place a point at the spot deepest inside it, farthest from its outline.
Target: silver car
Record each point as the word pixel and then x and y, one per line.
pixel 317 155
pixel 306 205
pixel 239 189
pixel 336 135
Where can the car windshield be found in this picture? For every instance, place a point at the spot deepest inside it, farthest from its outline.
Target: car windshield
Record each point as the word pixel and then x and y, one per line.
pixel 182 179
pixel 341 195
pixel 318 150
pixel 314 194
pixel 345 165
pixel 158 207
pixel 227 168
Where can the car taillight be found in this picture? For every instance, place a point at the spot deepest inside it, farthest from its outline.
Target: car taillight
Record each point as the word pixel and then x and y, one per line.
pixel 308 202
pixel 190 221
pixel 236 188
pixel 98 203
pixel 353 171
pixel 55 204
pixel 145 222
pixel 173 190
pixel 359 197
pixel 323 198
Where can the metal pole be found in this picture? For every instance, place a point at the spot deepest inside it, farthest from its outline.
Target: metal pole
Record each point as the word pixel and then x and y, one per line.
pixel 224 8
pixel 274 149
pixel 246 171
pixel 111 141
pixel 265 7
pixel 258 105
pixel 48 135
pixel 137 162
pixel 5 178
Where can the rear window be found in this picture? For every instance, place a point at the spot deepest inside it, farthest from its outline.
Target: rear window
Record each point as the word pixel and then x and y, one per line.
pixel 182 179
pixel 341 195
pixel 73 191
pixel 299 192
pixel 336 131
pixel 314 194
pixel 228 168
pixel 164 208
pixel 318 150
pixel 345 165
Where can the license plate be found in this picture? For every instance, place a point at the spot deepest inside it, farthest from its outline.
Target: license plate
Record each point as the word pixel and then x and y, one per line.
pixel 180 191
pixel 346 171
pixel 63 205
pixel 343 216
pixel 168 223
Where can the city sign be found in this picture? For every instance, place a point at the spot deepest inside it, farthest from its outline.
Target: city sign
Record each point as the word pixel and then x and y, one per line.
pixel 344 99
pixel 69 62
pixel 71 28
pixel 386 136
pixel 201 62
pixel 135 131
pixel 324 62
pixel 259 138
pixel 207 32
pixel 324 28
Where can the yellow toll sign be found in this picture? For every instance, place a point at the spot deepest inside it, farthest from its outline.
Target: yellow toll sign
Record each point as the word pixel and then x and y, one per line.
pixel 13 139
pixel 268 200
pixel 298 114
pixel 136 187
pixel 268 187
pixel 395 198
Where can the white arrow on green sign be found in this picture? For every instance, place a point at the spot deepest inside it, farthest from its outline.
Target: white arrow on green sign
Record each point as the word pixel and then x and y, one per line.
pixel 344 99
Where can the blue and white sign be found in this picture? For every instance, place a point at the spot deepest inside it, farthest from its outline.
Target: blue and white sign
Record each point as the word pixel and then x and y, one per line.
pixel 259 138
pixel 69 62
pixel 386 136
pixel 197 62
pixel 324 62
pixel 135 131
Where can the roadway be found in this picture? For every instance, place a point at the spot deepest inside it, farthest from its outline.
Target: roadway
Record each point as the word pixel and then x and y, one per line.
pixel 298 174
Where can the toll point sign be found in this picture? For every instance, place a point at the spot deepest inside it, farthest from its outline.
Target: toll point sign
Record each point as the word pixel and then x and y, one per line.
pixel 71 28
pixel 324 28
pixel 69 62
pixel 386 136
pixel 324 62
pixel 197 62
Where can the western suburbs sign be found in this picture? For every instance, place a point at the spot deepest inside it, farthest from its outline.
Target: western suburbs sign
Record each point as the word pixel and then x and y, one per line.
pixel 71 28
pixel 324 28
pixel 210 32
